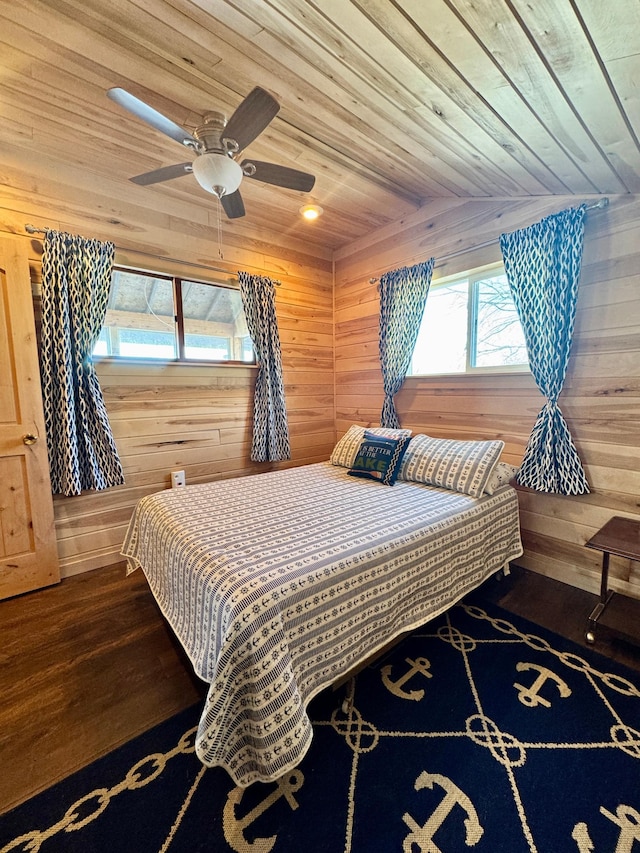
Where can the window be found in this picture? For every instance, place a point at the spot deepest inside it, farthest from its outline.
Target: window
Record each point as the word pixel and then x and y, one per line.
pixel 470 325
pixel 156 316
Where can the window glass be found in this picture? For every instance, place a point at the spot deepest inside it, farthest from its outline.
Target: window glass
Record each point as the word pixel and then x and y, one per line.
pixel 140 319
pixel 160 317
pixel 142 343
pixel 102 344
pixel 442 342
pixel 499 337
pixel 215 327
pixel 470 324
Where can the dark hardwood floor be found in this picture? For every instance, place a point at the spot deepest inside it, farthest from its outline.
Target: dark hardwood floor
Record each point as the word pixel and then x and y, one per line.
pixel 562 609
pixel 90 663
pixel 85 666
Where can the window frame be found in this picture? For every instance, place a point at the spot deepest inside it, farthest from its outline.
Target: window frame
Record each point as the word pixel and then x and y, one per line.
pixel 178 318
pixel 472 276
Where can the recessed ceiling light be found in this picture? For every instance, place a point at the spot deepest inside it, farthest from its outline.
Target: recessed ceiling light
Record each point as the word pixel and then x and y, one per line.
pixel 311 211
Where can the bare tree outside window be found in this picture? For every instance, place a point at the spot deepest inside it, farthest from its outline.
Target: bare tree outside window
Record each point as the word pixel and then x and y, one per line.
pixel 499 336
pixel 470 324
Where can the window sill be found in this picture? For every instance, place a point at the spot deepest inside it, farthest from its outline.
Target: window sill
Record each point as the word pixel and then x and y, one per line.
pixel 101 360
pixel 486 371
pixel 476 383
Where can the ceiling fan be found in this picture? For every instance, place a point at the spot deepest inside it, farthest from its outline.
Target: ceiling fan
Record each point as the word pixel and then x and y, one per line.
pixel 217 144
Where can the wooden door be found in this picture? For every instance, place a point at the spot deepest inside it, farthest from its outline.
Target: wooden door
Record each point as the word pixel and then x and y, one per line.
pixel 28 552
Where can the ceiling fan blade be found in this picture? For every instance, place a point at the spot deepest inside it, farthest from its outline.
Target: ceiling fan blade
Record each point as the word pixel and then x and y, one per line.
pixel 233 205
pixel 164 174
pixel 251 117
pixel 150 116
pixel 281 176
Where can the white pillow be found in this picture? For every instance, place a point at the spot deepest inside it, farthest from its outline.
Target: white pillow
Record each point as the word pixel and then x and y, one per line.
pixel 462 466
pixel 500 476
pixel 346 450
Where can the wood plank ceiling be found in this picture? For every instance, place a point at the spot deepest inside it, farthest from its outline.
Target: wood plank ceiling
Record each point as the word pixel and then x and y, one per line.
pixel 390 103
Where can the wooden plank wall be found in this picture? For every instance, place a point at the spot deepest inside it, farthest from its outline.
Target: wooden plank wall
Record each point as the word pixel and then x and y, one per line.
pixel 187 417
pixel 601 400
pixel 199 418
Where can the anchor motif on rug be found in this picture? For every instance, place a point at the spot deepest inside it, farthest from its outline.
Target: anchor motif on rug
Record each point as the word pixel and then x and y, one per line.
pixel 530 696
pixel 234 827
pixel 419 665
pixel 423 835
pixel 625 818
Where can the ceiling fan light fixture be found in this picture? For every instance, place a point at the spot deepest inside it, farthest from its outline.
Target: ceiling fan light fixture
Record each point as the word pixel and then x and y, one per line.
pixel 311 211
pixel 216 142
pixel 217 173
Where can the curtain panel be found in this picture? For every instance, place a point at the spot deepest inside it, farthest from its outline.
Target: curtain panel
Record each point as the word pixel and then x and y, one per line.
pixel 403 295
pixel 542 263
pixel 270 442
pixel 76 280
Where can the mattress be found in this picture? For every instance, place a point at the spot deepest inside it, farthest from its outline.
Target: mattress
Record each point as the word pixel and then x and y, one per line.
pixel 278 584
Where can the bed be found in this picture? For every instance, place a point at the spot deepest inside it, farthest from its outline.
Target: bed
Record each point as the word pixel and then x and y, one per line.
pixel 278 584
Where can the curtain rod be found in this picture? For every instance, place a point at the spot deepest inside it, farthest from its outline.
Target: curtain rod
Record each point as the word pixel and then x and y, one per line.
pixel 598 205
pixel 31 229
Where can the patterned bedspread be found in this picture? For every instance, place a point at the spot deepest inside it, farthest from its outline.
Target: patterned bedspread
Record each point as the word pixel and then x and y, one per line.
pixel 279 583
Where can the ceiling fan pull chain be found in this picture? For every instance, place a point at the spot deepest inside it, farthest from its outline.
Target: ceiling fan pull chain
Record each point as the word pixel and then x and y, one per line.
pixel 220 255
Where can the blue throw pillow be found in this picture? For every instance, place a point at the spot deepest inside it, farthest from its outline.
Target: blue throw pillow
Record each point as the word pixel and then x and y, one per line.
pixel 379 458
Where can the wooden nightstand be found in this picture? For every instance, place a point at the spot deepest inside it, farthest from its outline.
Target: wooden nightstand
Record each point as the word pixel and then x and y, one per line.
pixel 621 537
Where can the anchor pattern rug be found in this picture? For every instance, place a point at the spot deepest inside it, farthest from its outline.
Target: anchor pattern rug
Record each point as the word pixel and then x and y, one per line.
pixel 480 731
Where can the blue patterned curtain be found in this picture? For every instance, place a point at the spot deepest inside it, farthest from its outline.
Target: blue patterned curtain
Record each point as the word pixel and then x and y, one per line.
pixel 542 264
pixel 76 279
pixel 270 429
pixel 403 295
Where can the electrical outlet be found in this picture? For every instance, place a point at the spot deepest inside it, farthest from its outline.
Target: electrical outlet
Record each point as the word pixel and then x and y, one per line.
pixel 178 479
